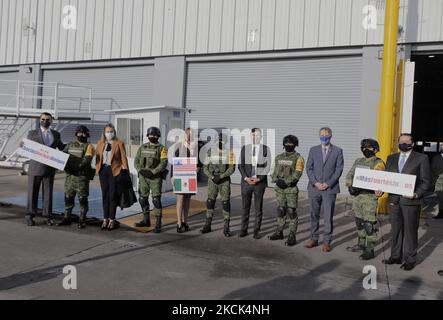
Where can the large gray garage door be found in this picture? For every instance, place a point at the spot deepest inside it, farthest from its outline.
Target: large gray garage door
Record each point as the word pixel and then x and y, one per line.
pixel 8 88
pixel 296 96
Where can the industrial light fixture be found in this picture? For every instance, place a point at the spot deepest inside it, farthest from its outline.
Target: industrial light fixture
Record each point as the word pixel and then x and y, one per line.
pixel 431 56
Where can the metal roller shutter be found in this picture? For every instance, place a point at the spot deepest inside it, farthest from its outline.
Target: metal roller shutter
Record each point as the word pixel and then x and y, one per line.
pixel 294 96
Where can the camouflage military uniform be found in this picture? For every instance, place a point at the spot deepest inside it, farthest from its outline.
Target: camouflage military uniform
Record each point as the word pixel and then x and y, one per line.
pixel 439 184
pixel 365 204
pixel 289 168
pixel 223 165
pixel 152 157
pixel 78 177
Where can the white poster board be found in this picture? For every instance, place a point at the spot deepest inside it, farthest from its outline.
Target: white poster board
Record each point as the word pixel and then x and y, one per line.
pixel 389 182
pixel 185 175
pixel 43 154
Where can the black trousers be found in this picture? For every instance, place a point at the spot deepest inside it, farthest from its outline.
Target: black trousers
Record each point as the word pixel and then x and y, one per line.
pixel 247 192
pixel 34 183
pixel 405 221
pixel 108 186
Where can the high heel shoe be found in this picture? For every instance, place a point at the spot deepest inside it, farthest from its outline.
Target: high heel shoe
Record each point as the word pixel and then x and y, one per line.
pixel 186 226
pixel 105 225
pixel 180 229
pixel 112 225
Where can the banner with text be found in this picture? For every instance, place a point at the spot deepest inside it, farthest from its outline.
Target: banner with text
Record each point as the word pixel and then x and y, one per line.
pixel 389 182
pixel 43 154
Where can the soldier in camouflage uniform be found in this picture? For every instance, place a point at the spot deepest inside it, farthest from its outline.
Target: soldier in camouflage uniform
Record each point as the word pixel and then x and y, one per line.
pixel 365 201
pixel 151 162
pixel 78 175
pixel 439 184
pixel 288 169
pixel 219 168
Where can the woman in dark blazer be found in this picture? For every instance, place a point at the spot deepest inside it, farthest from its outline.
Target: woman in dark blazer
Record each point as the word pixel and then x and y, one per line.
pixel 111 159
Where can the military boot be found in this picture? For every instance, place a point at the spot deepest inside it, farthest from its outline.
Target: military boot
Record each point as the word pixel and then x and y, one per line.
pixel 292 240
pixel 82 220
pixel 368 254
pixel 278 235
pixel 158 225
pixel 145 223
pixel 226 230
pixel 66 221
pixel 207 226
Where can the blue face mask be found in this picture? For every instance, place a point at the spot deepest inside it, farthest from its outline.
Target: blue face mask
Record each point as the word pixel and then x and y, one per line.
pixel 325 140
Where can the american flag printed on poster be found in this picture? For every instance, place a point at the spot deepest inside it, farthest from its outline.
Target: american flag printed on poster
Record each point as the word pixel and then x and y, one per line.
pixel 185 175
pixel 185 164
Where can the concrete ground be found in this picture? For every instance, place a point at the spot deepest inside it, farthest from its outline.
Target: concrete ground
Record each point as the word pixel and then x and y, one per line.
pixel 129 265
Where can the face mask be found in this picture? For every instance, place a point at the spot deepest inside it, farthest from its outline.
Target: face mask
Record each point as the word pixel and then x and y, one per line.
pixel 109 135
pixel 405 147
pixel 153 140
pixel 82 139
pixel 289 148
pixel 325 140
pixel 45 124
pixel 368 153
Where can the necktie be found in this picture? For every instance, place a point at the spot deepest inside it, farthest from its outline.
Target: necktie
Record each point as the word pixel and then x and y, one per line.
pixel 402 163
pixel 45 138
pixel 325 154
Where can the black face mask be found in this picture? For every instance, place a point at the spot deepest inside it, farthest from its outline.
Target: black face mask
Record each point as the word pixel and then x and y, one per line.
pixel 82 139
pixel 153 140
pixel 290 148
pixel 368 153
pixel 405 147
pixel 45 124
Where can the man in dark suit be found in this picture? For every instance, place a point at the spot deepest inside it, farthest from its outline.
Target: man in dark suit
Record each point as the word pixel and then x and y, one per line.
pixel 436 171
pixel 405 211
pixel 255 164
pixel 324 168
pixel 42 174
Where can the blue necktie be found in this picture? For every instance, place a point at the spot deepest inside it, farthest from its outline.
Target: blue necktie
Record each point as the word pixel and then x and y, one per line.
pixel 402 163
pixel 46 138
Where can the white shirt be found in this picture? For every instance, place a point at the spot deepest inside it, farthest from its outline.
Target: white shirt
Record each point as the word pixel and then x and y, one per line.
pixel 48 137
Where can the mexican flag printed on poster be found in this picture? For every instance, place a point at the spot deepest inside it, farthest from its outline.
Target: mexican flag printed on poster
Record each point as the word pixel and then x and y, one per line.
pixel 185 175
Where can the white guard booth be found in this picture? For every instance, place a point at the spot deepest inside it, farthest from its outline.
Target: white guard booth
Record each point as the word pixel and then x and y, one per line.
pixel 132 125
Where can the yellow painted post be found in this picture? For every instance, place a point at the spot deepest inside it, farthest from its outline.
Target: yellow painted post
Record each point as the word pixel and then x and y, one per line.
pixel 386 106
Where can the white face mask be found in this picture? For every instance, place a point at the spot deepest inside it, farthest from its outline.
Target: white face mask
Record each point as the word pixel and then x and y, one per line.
pixel 109 135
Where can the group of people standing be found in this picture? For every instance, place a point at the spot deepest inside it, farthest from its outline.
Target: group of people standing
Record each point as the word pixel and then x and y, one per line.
pixel 324 169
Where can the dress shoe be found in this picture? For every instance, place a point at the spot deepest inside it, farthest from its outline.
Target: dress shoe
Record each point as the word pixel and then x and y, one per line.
pixel 30 221
pixel 355 248
pixel 311 244
pixel 392 261
pixel 257 236
pixel 440 273
pixel 367 255
pixel 327 248
pixel 407 266
pixel 243 234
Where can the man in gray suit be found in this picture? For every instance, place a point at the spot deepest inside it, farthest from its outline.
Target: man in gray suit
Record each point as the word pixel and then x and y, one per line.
pixel 42 174
pixel 405 211
pixel 324 169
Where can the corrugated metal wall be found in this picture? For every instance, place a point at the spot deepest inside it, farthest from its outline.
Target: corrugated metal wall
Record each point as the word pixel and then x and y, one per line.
pixel 8 88
pixel 296 96
pixel 110 29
